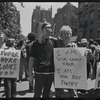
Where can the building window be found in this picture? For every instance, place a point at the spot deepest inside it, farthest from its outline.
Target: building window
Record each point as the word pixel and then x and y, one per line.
pixel 80 5
pixel 85 20
pixel 80 19
pixel 98 33
pixel 99 14
pixel 91 4
pixel 85 5
pixel 85 17
pixel 84 34
pixel 91 33
pixel 64 17
pixel 72 21
pixel 57 21
pixel 91 17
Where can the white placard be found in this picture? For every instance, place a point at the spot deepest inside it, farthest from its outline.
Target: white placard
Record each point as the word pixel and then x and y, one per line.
pixel 70 68
pixel 9 63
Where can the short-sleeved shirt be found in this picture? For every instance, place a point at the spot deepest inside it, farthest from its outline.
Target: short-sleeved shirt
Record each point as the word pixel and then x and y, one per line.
pixel 43 52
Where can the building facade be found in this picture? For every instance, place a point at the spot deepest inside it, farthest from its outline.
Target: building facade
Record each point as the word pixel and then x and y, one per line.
pixel 39 15
pixel 66 16
pixel 89 20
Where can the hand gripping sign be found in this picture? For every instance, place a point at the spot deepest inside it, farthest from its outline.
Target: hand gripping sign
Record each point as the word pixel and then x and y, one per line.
pixel 9 63
pixel 70 68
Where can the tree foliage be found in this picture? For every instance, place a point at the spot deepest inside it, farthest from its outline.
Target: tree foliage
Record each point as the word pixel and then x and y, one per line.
pixel 9 18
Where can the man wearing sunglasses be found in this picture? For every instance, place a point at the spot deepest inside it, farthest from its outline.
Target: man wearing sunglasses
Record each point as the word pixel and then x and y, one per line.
pixel 42 50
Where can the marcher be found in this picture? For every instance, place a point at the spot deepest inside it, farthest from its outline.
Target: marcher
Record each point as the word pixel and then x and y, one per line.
pixel 84 43
pixel 90 60
pixel 24 60
pixel 2 46
pixel 95 58
pixel 31 37
pixel 64 41
pixel 21 47
pixel 42 50
pixel 10 83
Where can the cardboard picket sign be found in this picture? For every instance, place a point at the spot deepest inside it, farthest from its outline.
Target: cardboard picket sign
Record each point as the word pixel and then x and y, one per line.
pixel 9 63
pixel 70 68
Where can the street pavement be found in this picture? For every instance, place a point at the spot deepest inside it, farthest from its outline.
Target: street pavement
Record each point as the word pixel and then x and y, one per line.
pixel 23 91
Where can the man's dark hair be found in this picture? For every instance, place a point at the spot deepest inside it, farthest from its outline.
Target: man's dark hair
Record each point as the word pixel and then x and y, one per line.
pixel 31 36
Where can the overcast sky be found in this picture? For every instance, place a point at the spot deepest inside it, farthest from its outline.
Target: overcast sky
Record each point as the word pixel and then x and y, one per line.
pixel 26 12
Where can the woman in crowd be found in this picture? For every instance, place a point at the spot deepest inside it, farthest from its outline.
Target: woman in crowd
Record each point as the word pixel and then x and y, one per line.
pixel 64 41
pixel 10 83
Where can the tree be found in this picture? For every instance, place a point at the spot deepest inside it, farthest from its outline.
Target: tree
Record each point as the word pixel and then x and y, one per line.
pixel 9 18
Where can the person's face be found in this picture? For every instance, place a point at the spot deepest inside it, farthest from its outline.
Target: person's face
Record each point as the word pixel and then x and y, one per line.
pixel 65 35
pixel 47 31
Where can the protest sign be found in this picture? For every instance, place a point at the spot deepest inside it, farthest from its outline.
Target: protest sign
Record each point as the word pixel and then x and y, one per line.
pixel 70 68
pixel 90 84
pixel 97 83
pixel 9 63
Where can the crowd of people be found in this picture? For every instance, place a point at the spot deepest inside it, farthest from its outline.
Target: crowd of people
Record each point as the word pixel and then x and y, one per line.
pixel 37 61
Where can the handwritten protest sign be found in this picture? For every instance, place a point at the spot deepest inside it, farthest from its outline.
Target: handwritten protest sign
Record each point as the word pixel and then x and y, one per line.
pixel 97 83
pixel 9 63
pixel 70 68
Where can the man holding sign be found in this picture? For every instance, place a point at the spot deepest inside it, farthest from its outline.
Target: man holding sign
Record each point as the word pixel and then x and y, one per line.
pixel 42 51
